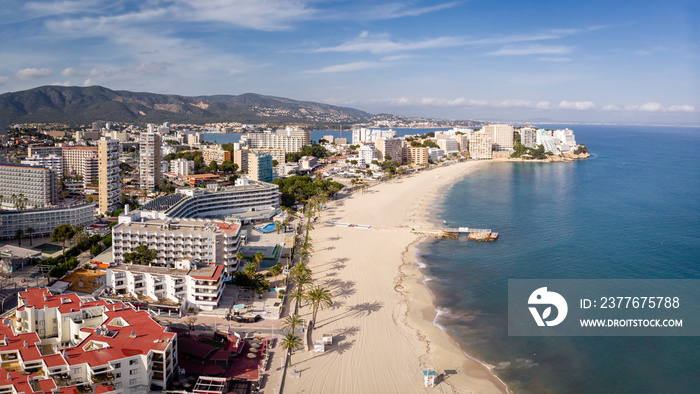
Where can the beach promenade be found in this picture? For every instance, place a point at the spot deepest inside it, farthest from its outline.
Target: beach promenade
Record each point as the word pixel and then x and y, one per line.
pixel 382 317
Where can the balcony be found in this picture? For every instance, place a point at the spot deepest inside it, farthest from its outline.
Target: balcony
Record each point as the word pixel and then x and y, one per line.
pixel 102 377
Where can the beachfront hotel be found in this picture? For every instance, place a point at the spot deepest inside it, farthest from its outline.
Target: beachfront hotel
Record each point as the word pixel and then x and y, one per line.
pixel 176 239
pixel 502 135
pixel 185 283
pixel 415 155
pixel 248 200
pixel 480 145
pixel 270 140
pixel 44 220
pixel 62 343
pixel 39 185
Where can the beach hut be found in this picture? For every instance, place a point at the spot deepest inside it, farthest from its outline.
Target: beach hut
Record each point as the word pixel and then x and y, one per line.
pixel 327 339
pixel 319 346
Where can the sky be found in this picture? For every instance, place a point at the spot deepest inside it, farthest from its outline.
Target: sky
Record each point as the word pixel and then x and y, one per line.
pixel 522 61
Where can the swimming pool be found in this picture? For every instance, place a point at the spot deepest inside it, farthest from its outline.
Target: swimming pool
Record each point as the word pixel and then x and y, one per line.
pixel 268 228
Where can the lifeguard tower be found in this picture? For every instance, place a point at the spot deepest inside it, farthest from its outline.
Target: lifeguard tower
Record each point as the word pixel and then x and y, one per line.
pixel 429 376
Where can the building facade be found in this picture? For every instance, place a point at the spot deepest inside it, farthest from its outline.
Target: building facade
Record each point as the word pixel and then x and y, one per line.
pixel 270 140
pixel 260 166
pixel 202 241
pixel 218 155
pixel 91 170
pixel 38 185
pixel 415 155
pixel 390 147
pixel 149 160
pixel 528 137
pixel 54 162
pixel 182 167
pixel 200 287
pixel 240 158
pixel 43 221
pixel 502 135
pixel 109 175
pixel 297 132
pixel 480 145
pixel 74 156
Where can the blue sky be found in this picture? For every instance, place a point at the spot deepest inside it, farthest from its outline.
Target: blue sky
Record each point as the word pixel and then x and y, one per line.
pixel 594 61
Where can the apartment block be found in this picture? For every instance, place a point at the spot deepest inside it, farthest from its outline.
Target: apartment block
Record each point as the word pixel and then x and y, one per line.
pixel 502 135
pixel 109 175
pixel 52 161
pixel 415 155
pixel 181 167
pixel 260 166
pixel 74 156
pixel 62 343
pixel 44 151
pixel 39 185
pixel 240 158
pixel 149 160
pixel 43 221
pixel 297 132
pixel 480 145
pixel 175 239
pixel 270 140
pixel 448 146
pixel 198 286
pixel 391 147
pixel 218 155
pixel 528 137
pixel 91 170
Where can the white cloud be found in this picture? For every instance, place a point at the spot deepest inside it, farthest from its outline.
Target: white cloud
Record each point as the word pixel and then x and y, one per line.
pixel 4 80
pixel 87 82
pixel 396 10
pixel 33 73
pixel 383 44
pixel 72 72
pixel 60 7
pixel 611 108
pixel 347 67
pixel 64 83
pixel 681 108
pixel 532 50
pixel 578 105
pixel 651 107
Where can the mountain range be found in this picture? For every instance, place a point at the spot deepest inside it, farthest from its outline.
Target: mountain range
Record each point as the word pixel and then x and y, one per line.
pixel 82 105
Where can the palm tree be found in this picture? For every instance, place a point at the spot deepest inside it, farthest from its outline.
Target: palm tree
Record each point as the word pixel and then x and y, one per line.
pixel 30 231
pixel 285 223
pixel 250 269
pixel 290 343
pixel 301 269
pixel 19 233
pixel 297 296
pixel 278 227
pixel 318 297
pixel 292 322
pixel 258 258
pixel 308 226
pixel 239 256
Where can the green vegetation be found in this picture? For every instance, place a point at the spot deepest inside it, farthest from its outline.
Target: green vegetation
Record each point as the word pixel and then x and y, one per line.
pixel 581 150
pixel 529 153
pixel 141 255
pixel 314 149
pixel 301 188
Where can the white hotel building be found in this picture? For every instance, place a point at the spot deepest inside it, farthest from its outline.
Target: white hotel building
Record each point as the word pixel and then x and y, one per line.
pixel 66 344
pixel 175 239
pixel 200 287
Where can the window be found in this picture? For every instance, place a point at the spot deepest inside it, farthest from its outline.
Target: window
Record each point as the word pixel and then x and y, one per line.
pixel 77 370
pixel 117 375
pixel 133 381
pixel 132 362
pixel 117 385
pixel 117 365
pixel 134 372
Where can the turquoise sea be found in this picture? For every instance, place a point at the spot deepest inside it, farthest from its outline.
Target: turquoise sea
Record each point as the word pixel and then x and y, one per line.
pixel 630 211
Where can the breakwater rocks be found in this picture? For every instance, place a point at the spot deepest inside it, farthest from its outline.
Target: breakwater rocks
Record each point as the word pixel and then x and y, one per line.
pixel 483 237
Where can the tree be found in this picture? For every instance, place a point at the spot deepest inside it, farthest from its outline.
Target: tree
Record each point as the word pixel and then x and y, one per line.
pixel 213 166
pixel 141 255
pixel 387 157
pixel 278 227
pixel 63 233
pixel 319 298
pixel 30 232
pixel 276 269
pixel 258 258
pixel 291 323
pixel 297 296
pixel 239 256
pixel 250 269
pixel 191 321
pixel 290 343
pixel 19 233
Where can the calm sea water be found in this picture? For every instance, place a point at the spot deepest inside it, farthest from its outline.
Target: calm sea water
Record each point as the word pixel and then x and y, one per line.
pixel 630 211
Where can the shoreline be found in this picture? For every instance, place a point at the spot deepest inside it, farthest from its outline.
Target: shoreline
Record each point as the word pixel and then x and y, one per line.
pixel 383 317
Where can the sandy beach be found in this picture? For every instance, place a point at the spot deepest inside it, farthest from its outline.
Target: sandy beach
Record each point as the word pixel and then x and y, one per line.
pixel 382 318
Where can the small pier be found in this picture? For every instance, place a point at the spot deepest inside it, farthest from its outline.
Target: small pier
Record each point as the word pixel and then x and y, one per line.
pixel 476 234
